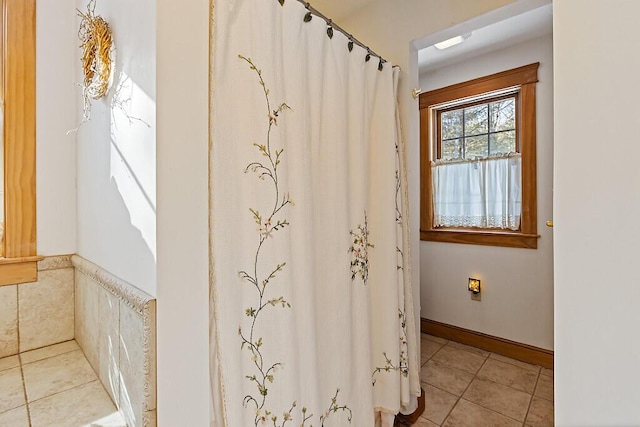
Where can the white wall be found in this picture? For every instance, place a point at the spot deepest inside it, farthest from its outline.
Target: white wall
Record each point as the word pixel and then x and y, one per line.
pixel 596 210
pixel 517 284
pixel 183 232
pixel 56 46
pixel 116 151
pixel 123 169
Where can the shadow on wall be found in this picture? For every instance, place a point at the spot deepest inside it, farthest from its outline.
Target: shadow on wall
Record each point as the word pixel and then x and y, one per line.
pixel 117 181
pixel 132 154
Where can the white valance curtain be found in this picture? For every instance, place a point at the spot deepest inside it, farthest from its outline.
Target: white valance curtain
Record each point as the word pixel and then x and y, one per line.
pixel 484 193
pixel 312 312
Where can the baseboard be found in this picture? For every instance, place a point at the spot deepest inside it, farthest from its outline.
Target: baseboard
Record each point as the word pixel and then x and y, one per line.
pixel 515 350
pixel 413 417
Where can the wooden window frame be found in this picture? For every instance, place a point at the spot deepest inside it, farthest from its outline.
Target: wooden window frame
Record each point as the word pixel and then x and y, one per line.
pixel 524 78
pixel 18 40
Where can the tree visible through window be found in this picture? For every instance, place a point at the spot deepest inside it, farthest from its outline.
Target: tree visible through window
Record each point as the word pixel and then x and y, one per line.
pixel 479 130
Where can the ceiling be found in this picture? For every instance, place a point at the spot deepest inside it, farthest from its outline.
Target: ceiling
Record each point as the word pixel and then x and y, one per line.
pixel 339 10
pixel 520 28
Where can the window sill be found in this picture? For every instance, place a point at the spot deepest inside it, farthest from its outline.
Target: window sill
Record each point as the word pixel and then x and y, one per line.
pixel 18 270
pixel 486 238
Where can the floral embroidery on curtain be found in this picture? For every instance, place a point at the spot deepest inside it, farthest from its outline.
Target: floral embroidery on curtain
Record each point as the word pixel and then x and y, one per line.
pixel 402 366
pixel 323 298
pixel 360 251
pixel 266 370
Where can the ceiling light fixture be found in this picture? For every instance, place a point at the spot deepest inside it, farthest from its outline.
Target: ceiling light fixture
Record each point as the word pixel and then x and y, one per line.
pixel 452 41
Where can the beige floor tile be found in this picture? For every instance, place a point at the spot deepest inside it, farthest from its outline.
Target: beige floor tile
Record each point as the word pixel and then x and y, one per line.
pixel 540 413
pixel 438 403
pixel 50 351
pixel 515 362
pixel 423 422
pixel 428 348
pixel 547 372
pixel 499 398
pixel 467 414
pixel 445 377
pixel 11 389
pixel 55 374
pixel 544 388
pixel 460 359
pixel 9 362
pixel 511 375
pixel 433 338
pixel 17 417
pixel 475 350
pixel 88 404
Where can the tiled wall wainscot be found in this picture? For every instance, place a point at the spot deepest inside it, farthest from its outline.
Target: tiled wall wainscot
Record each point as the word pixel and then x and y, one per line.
pixel 115 327
pixel 40 313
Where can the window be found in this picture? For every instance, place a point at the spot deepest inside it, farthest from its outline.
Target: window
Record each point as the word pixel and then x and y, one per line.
pixel 478 130
pixel 478 161
pixel 17 93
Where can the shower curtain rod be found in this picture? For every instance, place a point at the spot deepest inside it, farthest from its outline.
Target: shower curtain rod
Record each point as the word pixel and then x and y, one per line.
pixel 332 24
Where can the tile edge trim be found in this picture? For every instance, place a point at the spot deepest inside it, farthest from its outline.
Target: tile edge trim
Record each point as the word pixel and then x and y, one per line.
pixel 133 297
pixel 55 262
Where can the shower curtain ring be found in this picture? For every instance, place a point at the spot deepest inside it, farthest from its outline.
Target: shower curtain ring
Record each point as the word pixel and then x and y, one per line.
pixel 330 28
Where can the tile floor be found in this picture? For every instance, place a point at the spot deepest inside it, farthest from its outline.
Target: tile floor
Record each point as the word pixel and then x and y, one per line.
pixel 468 387
pixel 464 386
pixel 53 387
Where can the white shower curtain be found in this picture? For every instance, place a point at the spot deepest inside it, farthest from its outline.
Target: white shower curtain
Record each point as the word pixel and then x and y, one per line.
pixel 312 311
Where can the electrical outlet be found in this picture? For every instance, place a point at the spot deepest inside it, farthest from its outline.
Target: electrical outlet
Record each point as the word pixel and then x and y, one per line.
pixel 475 297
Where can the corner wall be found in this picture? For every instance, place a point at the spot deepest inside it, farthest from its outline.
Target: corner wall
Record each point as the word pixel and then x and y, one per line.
pixel 116 151
pixel 183 212
pixel 517 284
pixel 142 200
pixel 596 211
pixel 115 328
pixel 56 95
